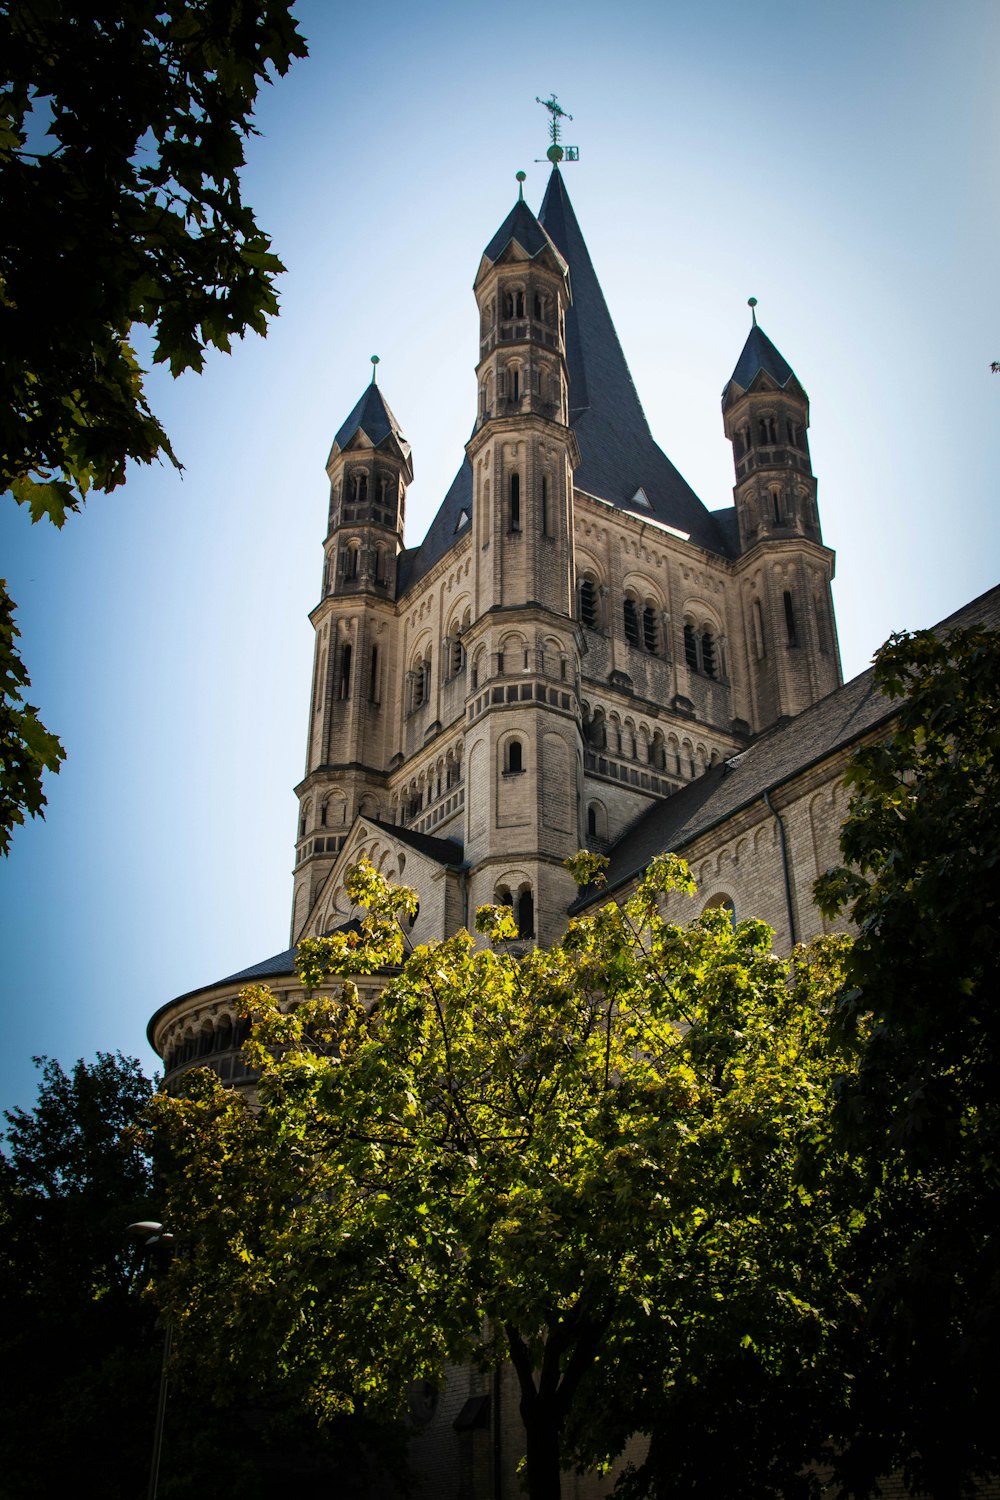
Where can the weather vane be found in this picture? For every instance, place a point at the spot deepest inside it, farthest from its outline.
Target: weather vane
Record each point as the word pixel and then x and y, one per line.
pixel 557 153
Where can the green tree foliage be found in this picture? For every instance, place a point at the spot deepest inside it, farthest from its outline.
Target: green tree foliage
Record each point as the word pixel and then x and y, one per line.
pixel 922 884
pixel 122 131
pixel 80 1346
pixel 599 1162
pixel 26 746
pixel 77 1352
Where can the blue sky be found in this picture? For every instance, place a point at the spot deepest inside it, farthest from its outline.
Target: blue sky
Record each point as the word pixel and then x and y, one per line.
pixel 837 161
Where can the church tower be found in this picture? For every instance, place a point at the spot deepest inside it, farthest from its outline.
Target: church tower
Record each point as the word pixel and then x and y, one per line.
pixel 785 570
pixel 348 737
pixel 523 744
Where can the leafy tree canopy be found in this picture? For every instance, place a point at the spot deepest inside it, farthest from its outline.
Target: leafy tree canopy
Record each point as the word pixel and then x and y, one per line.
pixel 77 1351
pixel 26 746
pixel 922 885
pixel 600 1162
pixel 122 130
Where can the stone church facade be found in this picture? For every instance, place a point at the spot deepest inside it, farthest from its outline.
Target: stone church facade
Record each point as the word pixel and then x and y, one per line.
pixel 578 654
pixel 576 643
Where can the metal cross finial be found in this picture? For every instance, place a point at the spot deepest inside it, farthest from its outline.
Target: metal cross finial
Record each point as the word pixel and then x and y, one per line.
pixel 555 153
pixel 374 369
pixel 752 304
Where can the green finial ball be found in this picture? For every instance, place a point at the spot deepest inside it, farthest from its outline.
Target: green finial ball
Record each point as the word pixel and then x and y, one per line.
pixel 751 302
pixel 555 154
pixel 374 364
pixel 521 176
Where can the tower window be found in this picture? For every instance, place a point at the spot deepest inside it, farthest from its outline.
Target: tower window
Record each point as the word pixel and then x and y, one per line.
pixel 776 507
pixel 515 502
pixel 690 647
pixel 373 676
pixel 631 621
pixel 352 559
pixel 344 684
pixel 708 654
pixel 519 304
pixel 768 431
pixel 514 759
pixel 508 304
pixel 790 620
pixel 360 495
pixel 650 630
pixel 456 656
pixel 546 529
pixel 538 307
pixel 588 602
pixel 515 383
pixel 525 913
pixel 758 628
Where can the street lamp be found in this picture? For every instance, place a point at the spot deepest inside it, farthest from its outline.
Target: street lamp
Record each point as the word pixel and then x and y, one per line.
pixel 157 1243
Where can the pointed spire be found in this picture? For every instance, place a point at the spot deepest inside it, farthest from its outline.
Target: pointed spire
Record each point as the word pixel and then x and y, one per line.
pixel 373 417
pixel 759 354
pixel 521 226
pixel 618 454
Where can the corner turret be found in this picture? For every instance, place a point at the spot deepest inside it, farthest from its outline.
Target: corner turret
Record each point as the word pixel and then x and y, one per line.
pixel 789 626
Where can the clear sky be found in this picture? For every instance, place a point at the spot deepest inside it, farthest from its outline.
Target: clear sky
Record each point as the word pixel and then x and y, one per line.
pixel 835 160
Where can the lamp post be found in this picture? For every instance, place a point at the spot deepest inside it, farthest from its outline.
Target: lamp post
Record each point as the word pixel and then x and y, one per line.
pixel 157 1243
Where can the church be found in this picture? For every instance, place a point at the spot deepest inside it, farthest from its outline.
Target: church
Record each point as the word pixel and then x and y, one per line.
pixel 578 654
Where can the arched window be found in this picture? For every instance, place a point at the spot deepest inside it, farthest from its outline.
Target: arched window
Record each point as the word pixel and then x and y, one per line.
pixel 515 383
pixel 538 307
pixel 344 682
pixel 456 656
pixel 631 621
pixel 514 758
pixel 727 904
pixel 379 565
pixel 708 662
pixel 420 684
pixel 515 502
pixel 690 646
pixel 650 629
pixel 776 506
pixel 546 528
pixel 373 676
pixel 758 628
pixel 588 602
pixel 508 304
pixel 525 913
pixel 519 304
pixel 790 620
pixel 352 556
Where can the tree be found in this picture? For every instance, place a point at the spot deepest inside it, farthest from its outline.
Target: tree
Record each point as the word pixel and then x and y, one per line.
pixel 79 1347
pixel 922 885
pixel 26 746
pixel 598 1162
pixel 77 1350
pixel 121 140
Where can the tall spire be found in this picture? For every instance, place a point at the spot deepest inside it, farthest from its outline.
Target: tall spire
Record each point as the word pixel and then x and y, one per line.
pixel 617 450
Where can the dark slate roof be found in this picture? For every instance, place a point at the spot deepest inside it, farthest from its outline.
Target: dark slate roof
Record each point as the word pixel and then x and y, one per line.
pixel 522 226
pixel 760 354
pixel 444 851
pixel 416 562
pixel 779 755
pixel 617 450
pixel 372 415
